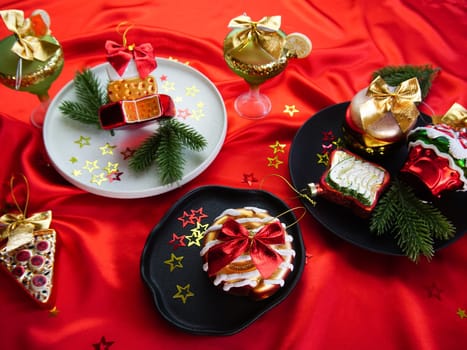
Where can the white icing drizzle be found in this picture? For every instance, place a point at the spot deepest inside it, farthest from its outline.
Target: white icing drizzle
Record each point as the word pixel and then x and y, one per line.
pixel 359 176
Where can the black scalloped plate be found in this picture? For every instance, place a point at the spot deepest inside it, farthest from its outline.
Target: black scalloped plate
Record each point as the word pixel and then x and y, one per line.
pixel 209 310
pixel 304 169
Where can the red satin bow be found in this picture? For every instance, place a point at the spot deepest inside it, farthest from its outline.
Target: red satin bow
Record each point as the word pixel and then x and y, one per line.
pixel 237 239
pixel 119 57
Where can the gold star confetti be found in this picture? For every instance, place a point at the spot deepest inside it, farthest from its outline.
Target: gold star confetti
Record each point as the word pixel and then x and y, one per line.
pixel 174 262
pixel 197 114
pixel 76 172
pixel 54 312
pixel 183 293
pixel 191 91
pixel 278 147
pixel 461 313
pixel 200 105
pixel 83 141
pixel 274 162
pixel 178 99
pixel 338 143
pixel 111 167
pixel 168 86
pixel 73 160
pixel 291 110
pixel 197 234
pixel 107 149
pixel 323 158
pixel 99 179
pixel 91 166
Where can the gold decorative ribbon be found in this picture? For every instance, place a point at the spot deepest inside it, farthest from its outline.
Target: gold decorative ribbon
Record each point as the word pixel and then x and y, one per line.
pixel 400 101
pixel 30 33
pixel 456 117
pixel 263 32
pixel 18 228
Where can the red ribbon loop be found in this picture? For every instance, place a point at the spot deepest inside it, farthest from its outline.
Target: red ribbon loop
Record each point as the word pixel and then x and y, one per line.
pixel 236 240
pixel 119 56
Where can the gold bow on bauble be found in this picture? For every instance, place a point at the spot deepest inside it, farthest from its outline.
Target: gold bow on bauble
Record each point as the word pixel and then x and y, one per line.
pixel 264 32
pixel 31 41
pixel 455 117
pixel 400 101
pixel 18 228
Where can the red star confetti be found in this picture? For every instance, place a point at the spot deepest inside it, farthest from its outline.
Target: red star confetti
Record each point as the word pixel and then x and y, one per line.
pixel 177 241
pixel 434 291
pixel 278 147
pixel 183 113
pixel 174 262
pixel 103 344
pixel 328 136
pixel 163 77
pixel 114 176
pixel 274 162
pixel 198 214
pixel 290 110
pixel 127 153
pixel 249 179
pixel 183 293
pixel 186 219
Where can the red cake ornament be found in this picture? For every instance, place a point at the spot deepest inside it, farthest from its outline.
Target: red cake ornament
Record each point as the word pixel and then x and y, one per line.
pixel 437 160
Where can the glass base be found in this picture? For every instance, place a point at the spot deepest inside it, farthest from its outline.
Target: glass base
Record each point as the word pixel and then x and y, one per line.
pixel 253 105
pixel 38 114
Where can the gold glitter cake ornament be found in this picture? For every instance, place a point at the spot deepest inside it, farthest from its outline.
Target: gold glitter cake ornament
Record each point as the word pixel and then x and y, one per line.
pixel 32 58
pixel 258 51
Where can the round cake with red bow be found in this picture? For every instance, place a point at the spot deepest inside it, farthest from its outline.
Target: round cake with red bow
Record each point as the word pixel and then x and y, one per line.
pixel 248 252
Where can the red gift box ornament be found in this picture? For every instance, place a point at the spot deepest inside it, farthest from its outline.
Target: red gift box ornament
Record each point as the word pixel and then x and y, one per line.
pixel 236 240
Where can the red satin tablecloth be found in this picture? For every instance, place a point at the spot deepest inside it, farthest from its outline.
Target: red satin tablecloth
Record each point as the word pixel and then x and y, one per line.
pixel 347 297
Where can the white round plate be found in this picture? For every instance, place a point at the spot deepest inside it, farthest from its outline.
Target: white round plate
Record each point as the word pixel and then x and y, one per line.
pixel 96 161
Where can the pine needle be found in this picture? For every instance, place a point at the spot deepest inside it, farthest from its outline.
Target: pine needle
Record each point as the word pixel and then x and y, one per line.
pixel 394 75
pixel 165 148
pixel 90 96
pixel 415 224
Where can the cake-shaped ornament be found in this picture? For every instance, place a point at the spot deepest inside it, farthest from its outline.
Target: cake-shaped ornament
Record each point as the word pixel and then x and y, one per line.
pixel 351 181
pixel 32 58
pixel 380 116
pixel 132 90
pixel 437 160
pixel 27 252
pixel 248 252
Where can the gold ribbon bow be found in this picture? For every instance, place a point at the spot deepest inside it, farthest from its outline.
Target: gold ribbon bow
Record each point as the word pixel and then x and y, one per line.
pixel 18 228
pixel 31 41
pixel 455 117
pixel 263 32
pixel 400 101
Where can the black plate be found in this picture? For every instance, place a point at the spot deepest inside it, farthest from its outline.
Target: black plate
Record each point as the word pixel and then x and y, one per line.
pixel 209 310
pixel 304 169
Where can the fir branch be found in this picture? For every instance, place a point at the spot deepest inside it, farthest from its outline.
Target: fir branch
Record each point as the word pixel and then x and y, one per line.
pixel 165 148
pixel 414 223
pixel 145 154
pixel 90 97
pixel 189 136
pixel 169 157
pixel 394 75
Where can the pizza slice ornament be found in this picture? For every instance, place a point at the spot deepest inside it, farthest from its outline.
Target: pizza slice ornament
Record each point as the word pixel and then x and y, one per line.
pixel 27 252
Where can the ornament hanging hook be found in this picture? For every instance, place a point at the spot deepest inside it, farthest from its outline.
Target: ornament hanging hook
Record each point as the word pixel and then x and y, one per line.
pixel 124 33
pixel 12 191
